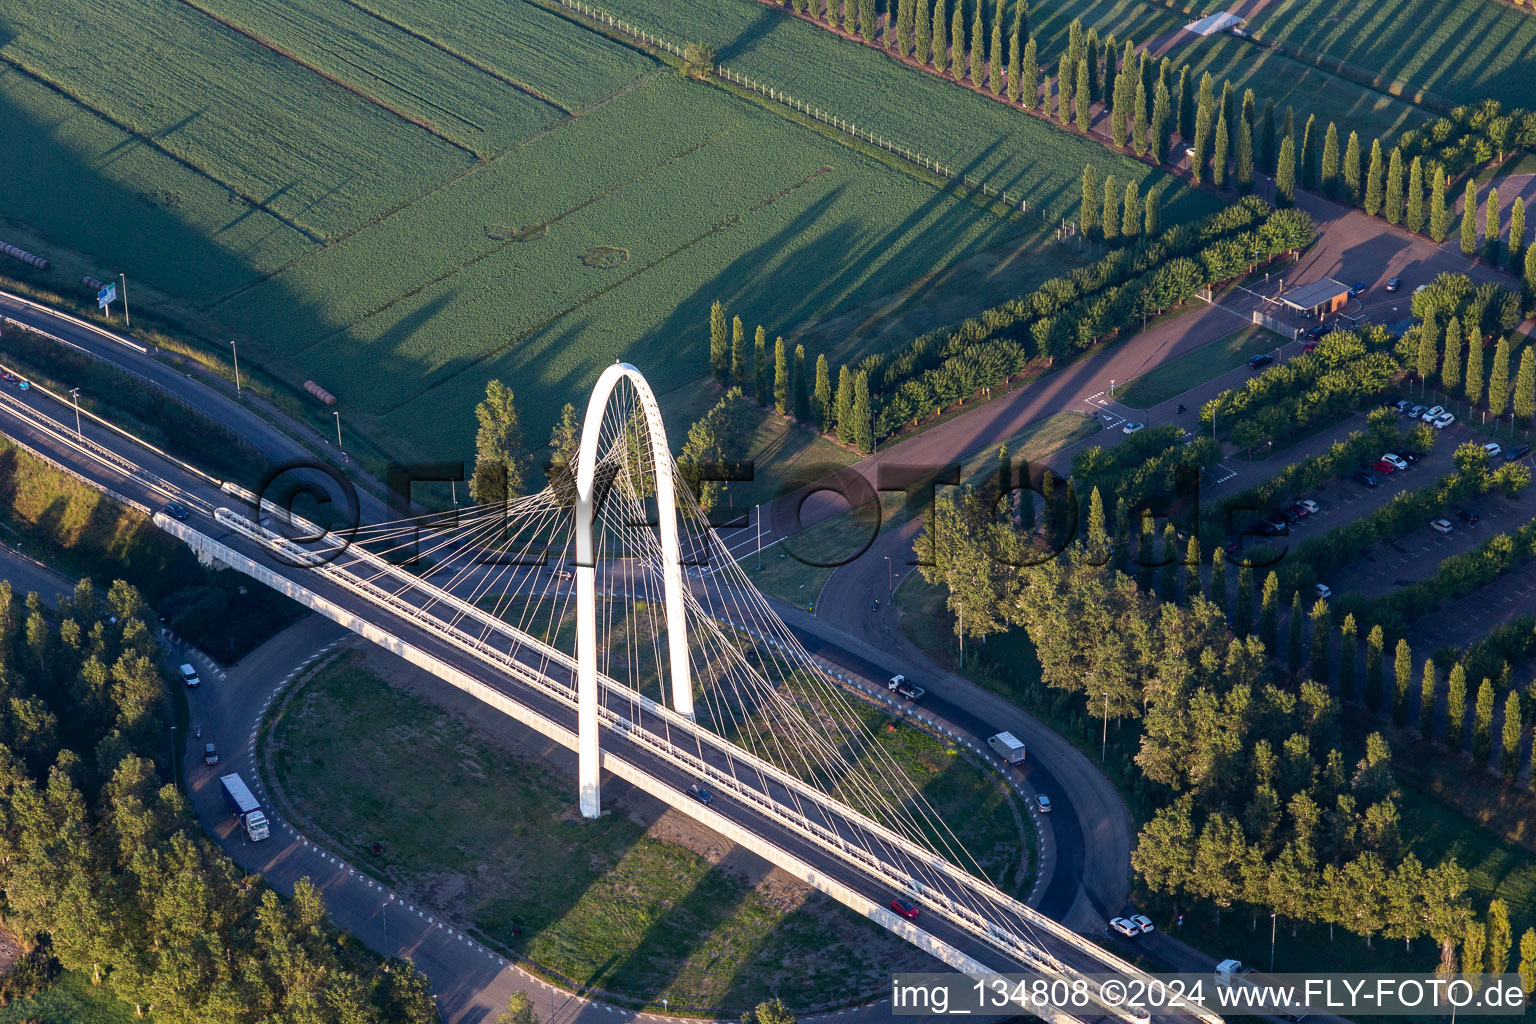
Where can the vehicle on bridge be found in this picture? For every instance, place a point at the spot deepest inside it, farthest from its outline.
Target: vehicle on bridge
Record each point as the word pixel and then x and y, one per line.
pixel 245 807
pixel 1008 747
pixel 906 688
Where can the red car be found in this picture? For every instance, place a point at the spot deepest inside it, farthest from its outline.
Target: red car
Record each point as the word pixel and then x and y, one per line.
pixel 904 908
pixel 1383 466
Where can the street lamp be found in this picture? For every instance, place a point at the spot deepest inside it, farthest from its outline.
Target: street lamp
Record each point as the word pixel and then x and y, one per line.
pixel 235 349
pixel 124 278
pixel 1272 942
pixel 173 755
pixel 890 587
pixel 75 394
pixel 337 414
pixel 758 514
pixel 1104 743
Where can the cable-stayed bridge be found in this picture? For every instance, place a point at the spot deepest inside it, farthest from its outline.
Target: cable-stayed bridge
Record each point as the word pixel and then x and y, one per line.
pixel 569 610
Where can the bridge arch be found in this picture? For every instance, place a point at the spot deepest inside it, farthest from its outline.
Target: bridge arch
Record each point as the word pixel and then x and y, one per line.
pixel 586 571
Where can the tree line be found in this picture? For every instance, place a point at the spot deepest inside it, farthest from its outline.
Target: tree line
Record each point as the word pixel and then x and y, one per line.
pixel 103 862
pixel 1449 345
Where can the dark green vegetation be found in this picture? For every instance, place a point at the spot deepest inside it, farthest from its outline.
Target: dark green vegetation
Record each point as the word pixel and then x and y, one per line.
pixel 77 529
pixel 1179 375
pixel 608 903
pixel 69 1000
pixel 109 869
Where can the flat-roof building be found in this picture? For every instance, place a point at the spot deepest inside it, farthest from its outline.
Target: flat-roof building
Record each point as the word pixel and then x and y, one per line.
pixel 1318 298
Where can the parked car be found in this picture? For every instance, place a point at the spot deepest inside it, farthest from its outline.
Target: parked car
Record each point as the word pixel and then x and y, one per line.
pixel 176 510
pixel 1043 802
pixel 1143 922
pixel 1309 506
pixel 1398 462
pixel 1124 927
pixel 1428 415
pixel 1290 515
pixel 1324 590
pixel 1444 420
pixel 1317 331
pixel 1308 345
pixel 1384 467
pixel 1414 412
pixel 1260 361
pixel 1356 288
pixel 1394 283
pixel 1441 525
pixel 210 754
pixel 1131 428
pixel 1367 479
pixel 700 794
pixel 1519 451
pixel 1412 458
pixel 904 908
pixel 1492 448
pixel 1299 510
pixel 1467 516
pixel 1275 525
pixel 189 676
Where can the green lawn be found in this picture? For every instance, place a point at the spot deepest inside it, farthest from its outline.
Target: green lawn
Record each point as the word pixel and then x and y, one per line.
pixel 493 838
pixel 70 1000
pixel 1179 375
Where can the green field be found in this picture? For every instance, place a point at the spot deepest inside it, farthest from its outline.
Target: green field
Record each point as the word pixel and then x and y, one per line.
pixel 1177 376
pixel 70 1000
pixel 491 837
pixel 1462 50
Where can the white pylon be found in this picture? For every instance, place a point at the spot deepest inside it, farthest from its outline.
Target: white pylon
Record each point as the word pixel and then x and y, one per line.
pixel 586 573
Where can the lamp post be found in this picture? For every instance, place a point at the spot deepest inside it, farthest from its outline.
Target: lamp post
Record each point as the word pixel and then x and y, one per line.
pixel 337 414
pixel 173 756
pixel 890 587
pixel 75 394
pixel 124 278
pixel 758 514
pixel 1104 742
pixel 235 349
pixel 1272 942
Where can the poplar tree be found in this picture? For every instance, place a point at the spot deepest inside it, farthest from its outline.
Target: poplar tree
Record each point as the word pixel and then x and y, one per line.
pixel 843 404
pixel 863 423
pixel 957 41
pixel 1084 104
pixel 924 26
pixel 1509 739
pixel 1475 376
pixel 995 60
pixel 1145 556
pixel 1298 632
pixel 1269 614
pixel 1219 154
pixel 1015 65
pixel 1482 726
pixel 1320 664
pixel 1375 681
pixel 1161 111
pixel 780 377
pixel 1450 370
pixel 1110 219
pixel 1427 689
pixel 978 46
pixel 1046 97
pixel 1021 19
pixel 1168 583
pixel 1269 153
pixel 1130 218
pixel 719 341
pixel 760 377
pixel 1029 77
pixel 824 409
pixel 1469 220
pixel 1120 112
pixel 1456 707
pixel 867 20
pixel 1330 168
pixel 800 393
pixel 1111 69
pixel 1217 594
pixel 1516 246
pixel 1525 386
pixel 1139 127
pixel 1285 172
pixel 1498 379
pixel 1500 936
pixel 1413 220
pixel 1192 582
pixel 1392 204
pixel 1427 359
pixel 1152 220
pixel 1373 181
pixel 1349 651
pixel 939 45
pixel 1306 159
pixel 1094 52
pixel 1491 229
pixel 738 352
pixel 1184 107
pixel 1351 169
pixel 1439 216
pixel 906 17
pixel 1088 212
pixel 1402 682
pixel 1242 613
pixel 1064 73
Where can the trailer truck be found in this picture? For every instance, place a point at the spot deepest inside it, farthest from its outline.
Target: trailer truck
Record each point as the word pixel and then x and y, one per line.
pixel 245 808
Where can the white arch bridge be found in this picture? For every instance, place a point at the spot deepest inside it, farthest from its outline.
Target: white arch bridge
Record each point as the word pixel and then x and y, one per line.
pixel 676 679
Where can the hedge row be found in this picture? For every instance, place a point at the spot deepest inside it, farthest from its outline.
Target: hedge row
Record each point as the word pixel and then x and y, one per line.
pixel 1071 313
pixel 1142 468
pixel 1470 137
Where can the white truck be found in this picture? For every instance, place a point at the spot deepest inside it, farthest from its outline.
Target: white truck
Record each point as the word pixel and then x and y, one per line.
pixel 1008 747
pixel 245 807
pixel 902 686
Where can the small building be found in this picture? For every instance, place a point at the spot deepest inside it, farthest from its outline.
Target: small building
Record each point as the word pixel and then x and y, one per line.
pixel 1213 23
pixel 1318 298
